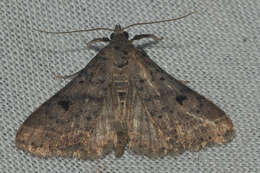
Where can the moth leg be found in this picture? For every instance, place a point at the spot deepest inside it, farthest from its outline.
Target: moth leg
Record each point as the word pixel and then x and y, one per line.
pixel 139 37
pixel 104 39
pixel 57 76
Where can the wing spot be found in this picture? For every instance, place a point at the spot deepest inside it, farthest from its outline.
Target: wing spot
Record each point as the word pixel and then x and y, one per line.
pixel 65 104
pixel 91 130
pixel 88 118
pixel 180 99
pixel 81 82
pixel 162 78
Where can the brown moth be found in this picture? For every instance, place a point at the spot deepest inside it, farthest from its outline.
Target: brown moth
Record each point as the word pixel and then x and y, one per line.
pixel 122 98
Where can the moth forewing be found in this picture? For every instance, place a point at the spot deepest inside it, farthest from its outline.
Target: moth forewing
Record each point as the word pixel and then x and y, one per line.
pixel 122 98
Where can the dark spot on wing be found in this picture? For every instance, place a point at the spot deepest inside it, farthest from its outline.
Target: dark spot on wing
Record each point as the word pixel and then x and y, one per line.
pixel 162 78
pixel 180 99
pixel 91 130
pixel 81 81
pixel 65 104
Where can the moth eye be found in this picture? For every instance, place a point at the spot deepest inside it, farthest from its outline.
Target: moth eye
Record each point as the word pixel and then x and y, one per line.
pixel 112 36
pixel 126 34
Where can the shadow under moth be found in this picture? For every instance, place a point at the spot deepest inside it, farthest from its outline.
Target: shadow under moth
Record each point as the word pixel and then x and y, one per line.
pixel 123 99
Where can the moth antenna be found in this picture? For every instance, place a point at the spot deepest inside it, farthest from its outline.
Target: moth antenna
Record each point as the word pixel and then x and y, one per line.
pixel 159 21
pixel 68 32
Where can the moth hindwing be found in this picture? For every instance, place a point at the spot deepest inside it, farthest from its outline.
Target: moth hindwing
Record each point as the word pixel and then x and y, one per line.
pixel 122 98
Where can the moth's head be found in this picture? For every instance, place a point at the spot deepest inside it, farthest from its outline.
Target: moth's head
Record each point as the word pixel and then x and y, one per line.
pixel 119 33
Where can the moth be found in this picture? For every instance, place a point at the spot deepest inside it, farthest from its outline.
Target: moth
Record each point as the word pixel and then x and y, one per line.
pixel 123 99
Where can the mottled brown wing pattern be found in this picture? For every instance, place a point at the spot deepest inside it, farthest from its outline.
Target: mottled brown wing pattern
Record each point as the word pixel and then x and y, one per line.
pixel 76 121
pixel 168 116
pixel 122 97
